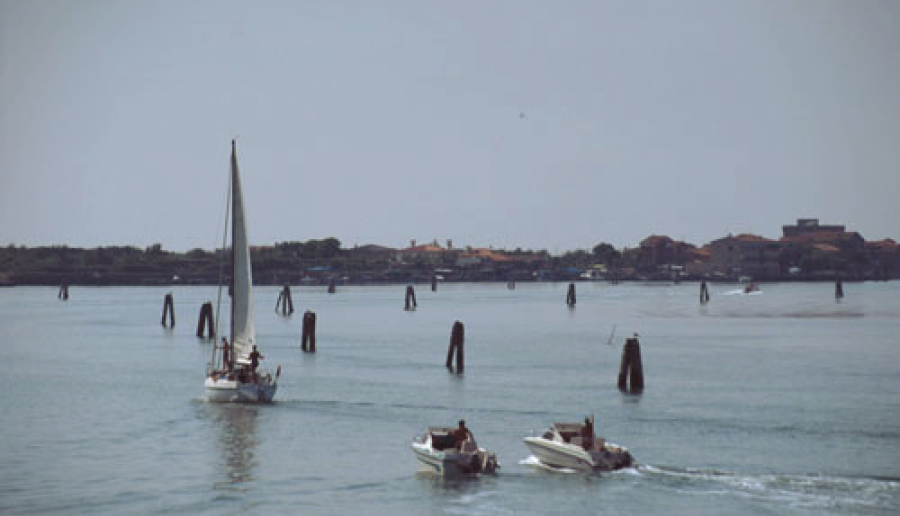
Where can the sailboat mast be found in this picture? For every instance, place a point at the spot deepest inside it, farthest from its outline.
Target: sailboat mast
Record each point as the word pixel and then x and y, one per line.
pixel 233 261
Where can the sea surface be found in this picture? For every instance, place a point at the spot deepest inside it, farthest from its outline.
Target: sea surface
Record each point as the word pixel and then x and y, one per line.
pixel 785 402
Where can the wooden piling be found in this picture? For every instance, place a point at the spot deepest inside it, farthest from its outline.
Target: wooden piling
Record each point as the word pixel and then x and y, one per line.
pixel 511 285
pixel 434 283
pixel 570 296
pixel 632 370
pixel 331 286
pixel 285 301
pixel 308 334
pixel 457 340
pixel 168 309
pixel 704 293
pixel 410 298
pixel 63 291
pixel 206 320
pixel 838 289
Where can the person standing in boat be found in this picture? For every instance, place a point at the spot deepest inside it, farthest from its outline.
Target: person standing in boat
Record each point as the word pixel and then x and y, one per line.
pixel 255 357
pixel 226 359
pixel 461 434
pixel 587 435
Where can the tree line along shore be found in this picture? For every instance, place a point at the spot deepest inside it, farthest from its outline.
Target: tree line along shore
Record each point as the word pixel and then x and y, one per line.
pixel 657 258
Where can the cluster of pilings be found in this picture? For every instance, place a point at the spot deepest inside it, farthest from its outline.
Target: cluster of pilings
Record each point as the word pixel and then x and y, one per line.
pixel 457 339
pixel 168 310
pixel 285 301
pixel 704 293
pixel 631 371
pixel 308 333
pixel 205 321
pixel 410 298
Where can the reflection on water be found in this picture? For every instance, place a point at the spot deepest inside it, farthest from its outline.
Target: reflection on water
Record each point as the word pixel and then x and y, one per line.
pixel 237 441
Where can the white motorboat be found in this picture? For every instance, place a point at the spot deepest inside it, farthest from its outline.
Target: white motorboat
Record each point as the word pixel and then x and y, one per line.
pixel 237 380
pixel 437 452
pixel 561 446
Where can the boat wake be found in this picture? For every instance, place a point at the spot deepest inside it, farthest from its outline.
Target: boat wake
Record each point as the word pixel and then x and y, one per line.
pixel 799 491
pixel 741 292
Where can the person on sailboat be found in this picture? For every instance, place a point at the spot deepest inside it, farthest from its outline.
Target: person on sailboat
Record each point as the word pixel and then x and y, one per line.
pixel 255 357
pixel 226 359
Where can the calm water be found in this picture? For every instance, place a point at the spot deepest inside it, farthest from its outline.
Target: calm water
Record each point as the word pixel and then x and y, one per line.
pixel 780 403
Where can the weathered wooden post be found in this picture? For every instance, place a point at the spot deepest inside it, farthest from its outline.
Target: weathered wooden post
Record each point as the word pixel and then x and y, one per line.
pixel 434 283
pixel 570 296
pixel 457 339
pixel 704 293
pixel 168 309
pixel 308 335
pixel 838 289
pixel 285 301
pixel 410 298
pixel 331 286
pixel 632 368
pixel 206 319
pixel 63 291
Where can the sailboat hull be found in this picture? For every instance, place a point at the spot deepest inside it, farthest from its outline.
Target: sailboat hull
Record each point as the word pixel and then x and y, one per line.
pixel 233 391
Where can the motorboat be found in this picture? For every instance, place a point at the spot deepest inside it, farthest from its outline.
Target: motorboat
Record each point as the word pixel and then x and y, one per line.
pixel 438 453
pixel 561 446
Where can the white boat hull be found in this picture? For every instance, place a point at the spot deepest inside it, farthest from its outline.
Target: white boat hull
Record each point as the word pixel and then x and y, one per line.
pixel 222 390
pixel 451 461
pixel 560 455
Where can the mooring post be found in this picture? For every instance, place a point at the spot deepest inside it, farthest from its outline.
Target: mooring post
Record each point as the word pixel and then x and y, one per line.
pixel 838 288
pixel 704 293
pixel 331 287
pixel 570 296
pixel 410 298
pixel 285 301
pixel 511 285
pixel 308 335
pixel 632 367
pixel 434 283
pixel 168 309
pixel 457 340
pixel 206 319
pixel 63 291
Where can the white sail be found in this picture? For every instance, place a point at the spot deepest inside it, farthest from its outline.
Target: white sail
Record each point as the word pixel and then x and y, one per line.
pixel 243 334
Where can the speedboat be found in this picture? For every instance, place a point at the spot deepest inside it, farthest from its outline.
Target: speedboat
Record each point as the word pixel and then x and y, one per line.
pixel 561 447
pixel 437 452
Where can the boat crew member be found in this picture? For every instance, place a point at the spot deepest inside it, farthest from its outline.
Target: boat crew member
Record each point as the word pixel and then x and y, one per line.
pixel 255 357
pixel 587 435
pixel 226 360
pixel 461 434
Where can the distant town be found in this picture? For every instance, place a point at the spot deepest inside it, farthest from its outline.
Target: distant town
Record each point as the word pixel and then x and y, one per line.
pixel 806 251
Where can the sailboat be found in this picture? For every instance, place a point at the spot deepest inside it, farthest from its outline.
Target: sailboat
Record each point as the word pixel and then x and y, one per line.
pixel 231 375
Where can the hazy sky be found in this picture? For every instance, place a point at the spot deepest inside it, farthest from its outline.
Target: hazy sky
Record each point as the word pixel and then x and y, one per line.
pixel 539 124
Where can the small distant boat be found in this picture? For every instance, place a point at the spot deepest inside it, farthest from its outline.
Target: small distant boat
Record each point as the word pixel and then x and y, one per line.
pixel 561 447
pixel 437 452
pixel 751 287
pixel 236 379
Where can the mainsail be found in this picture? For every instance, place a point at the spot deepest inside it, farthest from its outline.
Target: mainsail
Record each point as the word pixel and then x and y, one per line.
pixel 243 335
